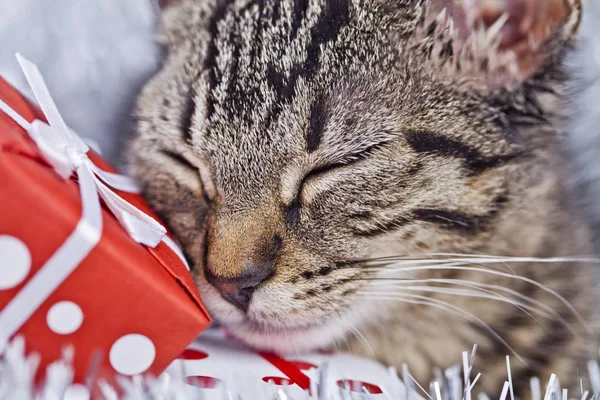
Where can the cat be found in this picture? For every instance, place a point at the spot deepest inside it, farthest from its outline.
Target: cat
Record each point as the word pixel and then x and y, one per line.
pixel 379 175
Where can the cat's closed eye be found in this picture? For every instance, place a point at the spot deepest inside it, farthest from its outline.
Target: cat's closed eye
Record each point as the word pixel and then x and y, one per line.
pixel 180 160
pixel 348 161
pixel 313 181
pixel 196 171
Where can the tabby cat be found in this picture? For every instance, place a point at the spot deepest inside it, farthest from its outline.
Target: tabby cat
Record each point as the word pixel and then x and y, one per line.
pixel 378 175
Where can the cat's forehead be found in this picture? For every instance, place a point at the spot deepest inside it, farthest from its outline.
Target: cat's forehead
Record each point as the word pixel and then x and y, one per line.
pixel 265 56
pixel 287 86
pixel 271 73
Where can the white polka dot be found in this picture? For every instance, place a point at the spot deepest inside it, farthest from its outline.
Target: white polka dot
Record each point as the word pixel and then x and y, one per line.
pixel 132 354
pixel 16 262
pixel 64 317
pixel 77 391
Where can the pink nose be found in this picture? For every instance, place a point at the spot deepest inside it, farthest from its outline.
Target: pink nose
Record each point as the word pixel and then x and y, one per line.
pixel 238 290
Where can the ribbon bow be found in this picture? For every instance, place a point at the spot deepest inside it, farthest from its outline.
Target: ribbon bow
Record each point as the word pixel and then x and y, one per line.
pixel 67 153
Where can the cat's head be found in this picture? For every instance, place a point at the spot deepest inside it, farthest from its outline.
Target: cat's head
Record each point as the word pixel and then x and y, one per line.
pixel 285 142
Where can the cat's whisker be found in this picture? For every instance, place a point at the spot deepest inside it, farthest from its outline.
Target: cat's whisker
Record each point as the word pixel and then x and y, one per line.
pixel 362 339
pixel 413 274
pixel 454 266
pixel 342 320
pixel 516 259
pixel 443 305
pixel 480 288
pixel 549 311
pixel 545 260
pixel 395 266
pixel 374 259
pixel 474 293
pixel 450 261
pixel 458 257
pixel 399 266
pixel 350 326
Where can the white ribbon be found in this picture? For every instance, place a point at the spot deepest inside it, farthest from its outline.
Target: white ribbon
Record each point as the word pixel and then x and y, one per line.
pixel 67 153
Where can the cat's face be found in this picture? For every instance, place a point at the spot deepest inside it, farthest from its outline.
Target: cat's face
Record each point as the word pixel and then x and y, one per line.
pixel 284 143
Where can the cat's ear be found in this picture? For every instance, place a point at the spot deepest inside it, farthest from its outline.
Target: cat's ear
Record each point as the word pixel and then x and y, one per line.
pixel 501 42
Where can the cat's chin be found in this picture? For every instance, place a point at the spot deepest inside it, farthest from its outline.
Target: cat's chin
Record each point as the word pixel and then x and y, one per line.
pixel 285 340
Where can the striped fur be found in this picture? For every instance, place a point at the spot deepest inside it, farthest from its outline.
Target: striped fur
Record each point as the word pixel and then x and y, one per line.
pixel 312 136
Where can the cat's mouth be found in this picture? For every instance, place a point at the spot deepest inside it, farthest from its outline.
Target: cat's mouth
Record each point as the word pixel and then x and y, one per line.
pixel 269 327
pixel 279 339
pixel 283 339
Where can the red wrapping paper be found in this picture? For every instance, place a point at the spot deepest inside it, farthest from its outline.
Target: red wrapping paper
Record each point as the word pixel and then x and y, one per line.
pixel 131 297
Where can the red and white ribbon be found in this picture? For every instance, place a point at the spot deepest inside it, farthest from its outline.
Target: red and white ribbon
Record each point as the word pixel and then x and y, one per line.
pixel 67 153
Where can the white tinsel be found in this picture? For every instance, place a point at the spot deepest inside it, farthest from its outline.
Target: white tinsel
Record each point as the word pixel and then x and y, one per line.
pixel 17 372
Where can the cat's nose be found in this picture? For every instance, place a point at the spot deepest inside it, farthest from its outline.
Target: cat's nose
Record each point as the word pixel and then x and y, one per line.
pixel 238 289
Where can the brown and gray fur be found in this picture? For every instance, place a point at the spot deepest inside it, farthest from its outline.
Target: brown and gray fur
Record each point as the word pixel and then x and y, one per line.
pixel 302 140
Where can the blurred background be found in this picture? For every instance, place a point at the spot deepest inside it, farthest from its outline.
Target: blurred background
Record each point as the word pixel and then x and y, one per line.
pixel 96 54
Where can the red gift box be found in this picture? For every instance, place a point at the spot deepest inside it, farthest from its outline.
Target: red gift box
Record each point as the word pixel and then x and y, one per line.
pixel 125 308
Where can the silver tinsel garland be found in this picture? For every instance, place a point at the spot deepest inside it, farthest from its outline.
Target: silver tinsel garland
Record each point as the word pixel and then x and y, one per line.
pixel 18 369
